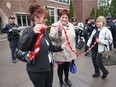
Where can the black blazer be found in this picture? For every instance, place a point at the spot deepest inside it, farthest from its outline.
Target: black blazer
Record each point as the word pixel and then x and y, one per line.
pixel 27 43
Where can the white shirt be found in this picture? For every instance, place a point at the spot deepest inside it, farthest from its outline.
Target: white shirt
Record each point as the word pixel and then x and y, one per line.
pixel 49 53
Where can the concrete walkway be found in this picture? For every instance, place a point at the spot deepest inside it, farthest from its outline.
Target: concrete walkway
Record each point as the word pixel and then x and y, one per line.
pixel 14 75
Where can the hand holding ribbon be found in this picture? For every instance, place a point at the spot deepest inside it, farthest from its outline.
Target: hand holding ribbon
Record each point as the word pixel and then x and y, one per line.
pixel 39 28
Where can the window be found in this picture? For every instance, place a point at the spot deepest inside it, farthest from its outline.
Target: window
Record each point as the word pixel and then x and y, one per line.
pixel 23 20
pixel 62 1
pixel 51 13
pixel 54 14
pixel 58 14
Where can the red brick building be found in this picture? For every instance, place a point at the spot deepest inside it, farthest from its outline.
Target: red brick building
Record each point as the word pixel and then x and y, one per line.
pixel 82 8
pixel 19 8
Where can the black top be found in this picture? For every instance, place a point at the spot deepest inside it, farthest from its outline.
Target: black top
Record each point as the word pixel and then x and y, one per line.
pixel 27 42
pixel 87 31
pixel 12 34
pixel 112 27
pixel 96 35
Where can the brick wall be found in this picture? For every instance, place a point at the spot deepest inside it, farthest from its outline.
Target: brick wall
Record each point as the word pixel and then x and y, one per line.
pixel 88 5
pixel 82 8
pixel 16 6
pixel 78 5
pixel 53 4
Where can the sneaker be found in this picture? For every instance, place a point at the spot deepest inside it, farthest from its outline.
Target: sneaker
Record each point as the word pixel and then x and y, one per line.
pixel 62 85
pixel 14 61
pixel 104 75
pixel 68 82
pixel 95 75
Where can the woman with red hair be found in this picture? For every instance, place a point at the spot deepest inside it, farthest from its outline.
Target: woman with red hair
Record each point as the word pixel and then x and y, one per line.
pixel 41 71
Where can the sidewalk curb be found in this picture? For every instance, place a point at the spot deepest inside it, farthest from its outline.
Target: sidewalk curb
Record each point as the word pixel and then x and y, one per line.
pixel 3 36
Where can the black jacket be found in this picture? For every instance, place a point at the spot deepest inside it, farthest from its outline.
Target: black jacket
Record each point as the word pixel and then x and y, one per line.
pixel 112 27
pixel 87 31
pixel 12 34
pixel 27 42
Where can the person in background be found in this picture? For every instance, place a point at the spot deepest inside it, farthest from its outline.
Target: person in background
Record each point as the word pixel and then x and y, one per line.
pixel 13 35
pixel 102 35
pixel 74 22
pixel 112 27
pixel 92 24
pixel 87 32
pixel 114 20
pixel 58 37
pixel 40 72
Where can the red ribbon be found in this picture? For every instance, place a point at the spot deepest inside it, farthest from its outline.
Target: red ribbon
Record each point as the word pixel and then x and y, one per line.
pixel 37 45
pixel 39 37
pixel 78 54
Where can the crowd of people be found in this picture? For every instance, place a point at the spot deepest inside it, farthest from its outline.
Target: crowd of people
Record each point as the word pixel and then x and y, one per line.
pixel 54 46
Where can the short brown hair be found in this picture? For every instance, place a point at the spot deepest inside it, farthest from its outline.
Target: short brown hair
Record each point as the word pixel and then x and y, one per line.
pixel 35 9
pixel 65 12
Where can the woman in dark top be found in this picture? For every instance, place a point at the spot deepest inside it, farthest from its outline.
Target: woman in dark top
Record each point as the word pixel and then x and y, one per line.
pixel 41 72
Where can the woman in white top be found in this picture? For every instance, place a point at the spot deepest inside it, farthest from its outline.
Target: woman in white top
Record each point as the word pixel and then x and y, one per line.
pixel 103 37
pixel 58 37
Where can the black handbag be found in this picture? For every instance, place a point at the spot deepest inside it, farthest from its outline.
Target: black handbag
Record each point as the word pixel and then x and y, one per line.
pixel 24 56
pixel 108 58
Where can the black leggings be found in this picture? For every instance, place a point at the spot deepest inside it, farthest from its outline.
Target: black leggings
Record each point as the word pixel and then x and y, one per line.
pixel 42 79
pixel 65 67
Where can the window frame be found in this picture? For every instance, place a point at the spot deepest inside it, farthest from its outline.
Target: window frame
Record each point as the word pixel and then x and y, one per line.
pixel 27 21
pixel 55 12
pixel 61 2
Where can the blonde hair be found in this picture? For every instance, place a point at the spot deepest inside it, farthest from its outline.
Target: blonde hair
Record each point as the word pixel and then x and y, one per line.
pixel 101 18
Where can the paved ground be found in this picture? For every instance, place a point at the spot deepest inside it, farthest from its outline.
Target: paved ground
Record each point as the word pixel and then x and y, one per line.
pixel 14 75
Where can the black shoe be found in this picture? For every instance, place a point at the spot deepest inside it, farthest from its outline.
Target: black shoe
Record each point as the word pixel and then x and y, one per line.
pixel 68 82
pixel 104 75
pixel 14 61
pixel 88 54
pixel 62 85
pixel 95 75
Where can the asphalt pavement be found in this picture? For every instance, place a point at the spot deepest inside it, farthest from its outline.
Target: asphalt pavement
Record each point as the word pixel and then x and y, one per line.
pixel 14 75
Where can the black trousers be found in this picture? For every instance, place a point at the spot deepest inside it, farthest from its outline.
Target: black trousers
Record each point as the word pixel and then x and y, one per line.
pixel 63 67
pixel 13 46
pixel 42 79
pixel 86 47
pixel 97 63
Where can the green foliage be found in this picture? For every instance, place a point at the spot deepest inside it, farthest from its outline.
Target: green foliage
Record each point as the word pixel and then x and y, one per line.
pixel 48 20
pixel 103 8
pixel 106 8
pixel 92 14
pixel 97 13
pixel 113 8
pixel 71 10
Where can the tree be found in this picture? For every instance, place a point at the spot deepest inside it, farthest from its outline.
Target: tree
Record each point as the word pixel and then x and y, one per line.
pixel 113 8
pixel 97 13
pixel 71 10
pixel 92 14
pixel 48 20
pixel 103 7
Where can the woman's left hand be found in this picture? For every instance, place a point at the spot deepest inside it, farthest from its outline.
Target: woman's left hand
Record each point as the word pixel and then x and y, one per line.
pixel 98 40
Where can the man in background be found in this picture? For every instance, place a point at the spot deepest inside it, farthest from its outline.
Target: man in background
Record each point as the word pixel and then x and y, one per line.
pixel 112 27
pixel 13 36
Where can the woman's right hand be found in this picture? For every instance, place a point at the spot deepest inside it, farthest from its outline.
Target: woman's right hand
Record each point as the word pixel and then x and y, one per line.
pixel 38 27
pixel 64 45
